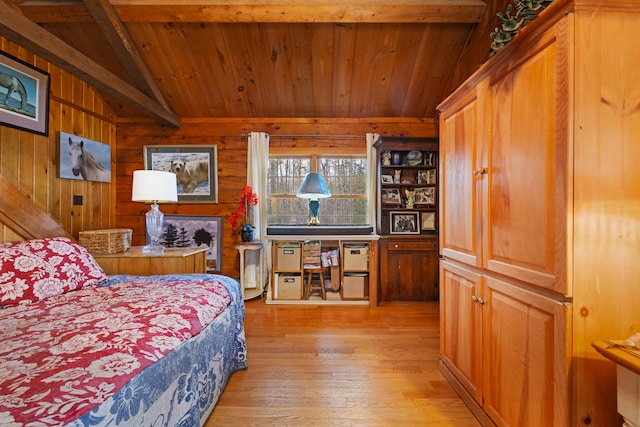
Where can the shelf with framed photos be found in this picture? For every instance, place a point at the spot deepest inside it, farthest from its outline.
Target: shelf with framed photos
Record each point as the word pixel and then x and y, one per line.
pixel 408 196
pixel 408 219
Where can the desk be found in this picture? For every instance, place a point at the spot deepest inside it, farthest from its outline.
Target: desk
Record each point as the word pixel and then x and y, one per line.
pixel 628 379
pixel 252 277
pixel 172 261
pixel 289 267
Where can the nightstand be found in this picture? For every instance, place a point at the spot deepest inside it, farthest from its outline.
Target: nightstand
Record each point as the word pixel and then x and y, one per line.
pixel 172 261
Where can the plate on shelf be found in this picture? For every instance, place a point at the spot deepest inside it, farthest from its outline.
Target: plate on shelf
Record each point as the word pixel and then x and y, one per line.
pixel 414 158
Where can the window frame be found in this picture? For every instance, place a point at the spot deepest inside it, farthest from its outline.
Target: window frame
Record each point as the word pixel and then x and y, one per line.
pixel 316 148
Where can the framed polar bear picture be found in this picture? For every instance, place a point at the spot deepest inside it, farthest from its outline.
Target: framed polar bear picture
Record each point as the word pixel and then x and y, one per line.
pixel 195 166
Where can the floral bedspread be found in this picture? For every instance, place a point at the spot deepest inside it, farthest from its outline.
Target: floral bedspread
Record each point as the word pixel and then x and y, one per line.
pixel 82 355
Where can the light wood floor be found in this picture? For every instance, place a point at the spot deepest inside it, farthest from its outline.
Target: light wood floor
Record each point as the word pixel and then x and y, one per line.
pixel 341 366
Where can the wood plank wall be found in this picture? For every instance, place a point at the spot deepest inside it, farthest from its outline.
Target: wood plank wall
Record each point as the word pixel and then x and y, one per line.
pixel 230 135
pixel 29 161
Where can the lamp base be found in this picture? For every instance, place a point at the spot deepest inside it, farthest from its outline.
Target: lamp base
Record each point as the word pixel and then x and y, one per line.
pixel 153 248
pixel 154 220
pixel 314 208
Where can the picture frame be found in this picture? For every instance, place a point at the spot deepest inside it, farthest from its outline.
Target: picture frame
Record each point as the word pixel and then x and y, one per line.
pixel 428 221
pixel 195 231
pixel 195 166
pixel 24 95
pixel 390 196
pixel 422 177
pixel 425 196
pixel 404 222
pixel 386 179
pixel 431 177
pixel 83 159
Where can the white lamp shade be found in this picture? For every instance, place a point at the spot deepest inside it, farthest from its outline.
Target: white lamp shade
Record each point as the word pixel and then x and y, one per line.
pixel 154 186
pixel 313 187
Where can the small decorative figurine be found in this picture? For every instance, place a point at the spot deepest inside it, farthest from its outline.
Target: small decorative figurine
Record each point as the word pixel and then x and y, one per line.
pixel 397 175
pixel 411 198
pixel 386 158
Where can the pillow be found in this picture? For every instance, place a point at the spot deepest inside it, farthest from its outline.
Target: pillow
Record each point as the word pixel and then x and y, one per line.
pixel 32 270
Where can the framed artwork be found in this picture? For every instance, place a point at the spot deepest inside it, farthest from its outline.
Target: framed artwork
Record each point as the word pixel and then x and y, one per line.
pixel 386 179
pixel 190 231
pixel 428 221
pixel 404 222
pixel 195 166
pixel 24 95
pixel 426 196
pixel 422 177
pixel 83 159
pixel 431 176
pixel 390 196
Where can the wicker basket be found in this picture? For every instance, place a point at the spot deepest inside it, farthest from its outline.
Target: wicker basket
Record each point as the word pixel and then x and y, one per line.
pixel 110 241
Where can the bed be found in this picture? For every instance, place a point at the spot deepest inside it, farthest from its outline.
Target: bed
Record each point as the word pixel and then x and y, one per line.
pixel 79 348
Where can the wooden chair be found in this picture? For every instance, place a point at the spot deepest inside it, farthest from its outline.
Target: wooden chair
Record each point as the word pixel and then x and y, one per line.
pixel 310 286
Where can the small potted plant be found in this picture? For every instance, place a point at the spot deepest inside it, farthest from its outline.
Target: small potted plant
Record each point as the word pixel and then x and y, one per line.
pixel 241 217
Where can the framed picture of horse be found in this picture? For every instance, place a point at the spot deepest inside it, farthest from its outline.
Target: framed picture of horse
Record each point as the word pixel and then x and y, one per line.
pixel 195 166
pixel 83 159
pixel 24 95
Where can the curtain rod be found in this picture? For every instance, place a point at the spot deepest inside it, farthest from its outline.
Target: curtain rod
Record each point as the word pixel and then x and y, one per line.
pixel 277 135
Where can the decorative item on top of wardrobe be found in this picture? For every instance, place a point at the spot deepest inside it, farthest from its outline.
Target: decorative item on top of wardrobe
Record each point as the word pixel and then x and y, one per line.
pixel 241 218
pixel 525 12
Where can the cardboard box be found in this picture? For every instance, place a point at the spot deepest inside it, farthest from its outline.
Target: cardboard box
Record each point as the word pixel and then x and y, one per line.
pixel 356 257
pixel 288 257
pixel 355 286
pixel 288 286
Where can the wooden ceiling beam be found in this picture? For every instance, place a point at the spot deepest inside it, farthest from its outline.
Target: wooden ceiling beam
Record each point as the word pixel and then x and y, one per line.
pixel 124 47
pixel 22 31
pixel 265 11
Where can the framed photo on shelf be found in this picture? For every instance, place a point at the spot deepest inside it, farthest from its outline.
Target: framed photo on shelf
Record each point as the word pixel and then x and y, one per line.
pixel 422 177
pixel 428 221
pixel 191 231
pixel 404 222
pixel 425 196
pixel 390 196
pixel 195 166
pixel 386 179
pixel 431 176
pixel 24 90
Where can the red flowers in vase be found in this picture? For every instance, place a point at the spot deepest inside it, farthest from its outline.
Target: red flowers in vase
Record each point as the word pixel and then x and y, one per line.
pixel 241 217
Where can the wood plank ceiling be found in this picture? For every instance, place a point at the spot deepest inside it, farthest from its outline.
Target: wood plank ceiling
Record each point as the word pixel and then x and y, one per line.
pixel 228 58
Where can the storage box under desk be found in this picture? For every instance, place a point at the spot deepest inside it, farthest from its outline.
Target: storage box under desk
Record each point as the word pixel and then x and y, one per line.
pixel 288 286
pixel 288 257
pixel 355 286
pixel 356 257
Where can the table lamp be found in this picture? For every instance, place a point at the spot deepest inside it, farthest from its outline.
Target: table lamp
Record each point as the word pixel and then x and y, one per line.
pixel 313 188
pixel 154 187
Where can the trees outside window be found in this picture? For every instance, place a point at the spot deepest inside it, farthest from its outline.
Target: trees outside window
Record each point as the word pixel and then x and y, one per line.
pixel 346 177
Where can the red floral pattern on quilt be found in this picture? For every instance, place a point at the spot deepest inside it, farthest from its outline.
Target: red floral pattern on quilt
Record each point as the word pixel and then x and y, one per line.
pixel 63 356
pixel 32 270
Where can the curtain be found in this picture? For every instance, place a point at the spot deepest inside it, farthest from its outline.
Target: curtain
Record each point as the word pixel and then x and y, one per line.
pixel 257 167
pixel 372 181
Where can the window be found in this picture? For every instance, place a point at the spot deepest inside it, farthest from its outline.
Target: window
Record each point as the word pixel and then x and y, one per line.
pixel 345 175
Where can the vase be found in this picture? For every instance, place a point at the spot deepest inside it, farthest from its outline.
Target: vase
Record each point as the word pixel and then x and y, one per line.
pixel 396 158
pixel 246 235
